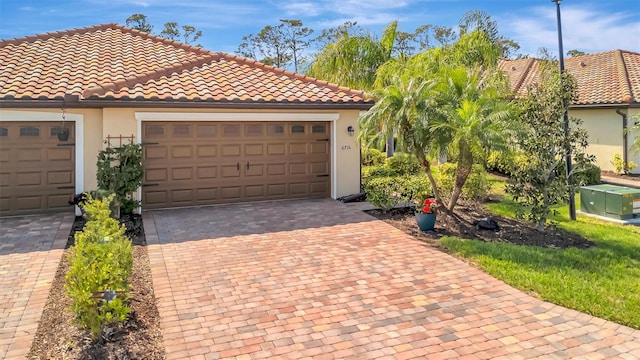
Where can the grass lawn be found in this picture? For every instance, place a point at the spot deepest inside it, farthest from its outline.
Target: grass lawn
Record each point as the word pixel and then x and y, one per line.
pixel 603 281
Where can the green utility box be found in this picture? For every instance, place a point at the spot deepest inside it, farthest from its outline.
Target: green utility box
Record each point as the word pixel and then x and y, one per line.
pixel 617 202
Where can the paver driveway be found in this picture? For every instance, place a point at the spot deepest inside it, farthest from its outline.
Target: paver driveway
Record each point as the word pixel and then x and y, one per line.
pixel 319 279
pixel 30 250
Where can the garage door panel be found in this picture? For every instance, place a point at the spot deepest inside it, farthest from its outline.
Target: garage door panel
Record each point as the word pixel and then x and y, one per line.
pixel 276 190
pixel 319 187
pixel 155 175
pixel 254 191
pixel 319 168
pixel 276 169
pixel 5 179
pixel 299 188
pixel 155 152
pixel 230 171
pixel 298 149
pixel 57 201
pixel 320 148
pixel 207 151
pixel 255 170
pixel 184 173
pixel 276 149
pixel 231 150
pixel 60 154
pixel 231 193
pixel 298 169
pixel 25 203
pixel 30 154
pixel 4 204
pixel 254 150
pixel 59 178
pixel 206 195
pixel 232 162
pixel 155 197
pixel 181 195
pixel 24 179
pixel 182 152
pixel 207 172
pixel 4 155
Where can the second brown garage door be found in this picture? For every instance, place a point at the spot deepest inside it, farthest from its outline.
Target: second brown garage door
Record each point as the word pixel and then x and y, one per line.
pixel 201 163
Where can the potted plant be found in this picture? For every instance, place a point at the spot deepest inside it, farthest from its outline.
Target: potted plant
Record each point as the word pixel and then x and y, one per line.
pixel 63 134
pixel 426 212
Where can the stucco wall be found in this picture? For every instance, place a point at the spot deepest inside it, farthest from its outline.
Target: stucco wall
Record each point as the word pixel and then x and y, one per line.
pixel 604 127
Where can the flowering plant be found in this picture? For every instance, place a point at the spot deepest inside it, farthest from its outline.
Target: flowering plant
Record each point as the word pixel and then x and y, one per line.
pixel 430 206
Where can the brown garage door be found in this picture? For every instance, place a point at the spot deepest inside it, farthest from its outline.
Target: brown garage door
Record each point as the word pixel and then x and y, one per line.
pixel 200 163
pixel 37 172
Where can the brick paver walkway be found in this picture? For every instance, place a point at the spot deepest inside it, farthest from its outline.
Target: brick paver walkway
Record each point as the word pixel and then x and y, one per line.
pixel 317 279
pixel 30 250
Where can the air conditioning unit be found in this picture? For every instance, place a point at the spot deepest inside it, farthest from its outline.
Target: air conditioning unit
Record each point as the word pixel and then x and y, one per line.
pixel 613 201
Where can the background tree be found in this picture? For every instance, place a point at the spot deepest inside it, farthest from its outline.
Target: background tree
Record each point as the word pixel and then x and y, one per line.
pixel 353 60
pixel 542 181
pixel 575 52
pixel 298 38
pixel 278 45
pixel 480 20
pixel 331 35
pixel 171 30
pixel 139 22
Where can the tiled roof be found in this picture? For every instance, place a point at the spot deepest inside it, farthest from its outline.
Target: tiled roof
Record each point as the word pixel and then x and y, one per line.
pixel 112 62
pixel 607 78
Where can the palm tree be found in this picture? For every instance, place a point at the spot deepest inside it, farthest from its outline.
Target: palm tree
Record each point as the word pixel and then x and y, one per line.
pixel 475 117
pixel 352 61
pixel 406 107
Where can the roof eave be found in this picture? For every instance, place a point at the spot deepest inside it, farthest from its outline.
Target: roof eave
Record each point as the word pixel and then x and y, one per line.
pixel 93 104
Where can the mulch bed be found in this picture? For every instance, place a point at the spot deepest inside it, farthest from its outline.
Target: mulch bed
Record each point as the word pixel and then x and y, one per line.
pixel 139 337
pixel 511 230
pixel 634 177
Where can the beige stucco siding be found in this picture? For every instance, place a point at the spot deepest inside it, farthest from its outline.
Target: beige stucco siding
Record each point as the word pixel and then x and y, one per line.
pixel 604 127
pixel 634 117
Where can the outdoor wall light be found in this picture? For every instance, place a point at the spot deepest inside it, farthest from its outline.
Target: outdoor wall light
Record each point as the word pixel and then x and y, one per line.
pixel 350 130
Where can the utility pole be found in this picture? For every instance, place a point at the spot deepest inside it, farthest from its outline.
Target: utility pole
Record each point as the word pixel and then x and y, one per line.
pixel 572 199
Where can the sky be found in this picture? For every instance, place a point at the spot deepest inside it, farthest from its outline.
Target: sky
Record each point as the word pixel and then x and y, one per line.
pixel 588 25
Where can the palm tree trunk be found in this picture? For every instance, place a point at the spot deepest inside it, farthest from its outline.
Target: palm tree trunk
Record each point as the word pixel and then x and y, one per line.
pixel 465 164
pixel 436 193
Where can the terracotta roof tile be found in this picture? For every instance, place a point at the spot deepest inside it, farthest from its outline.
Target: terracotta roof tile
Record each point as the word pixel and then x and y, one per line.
pixel 114 62
pixel 606 78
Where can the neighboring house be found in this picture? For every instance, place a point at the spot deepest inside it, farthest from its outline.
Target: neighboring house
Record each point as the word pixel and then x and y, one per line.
pixel 215 128
pixel 608 86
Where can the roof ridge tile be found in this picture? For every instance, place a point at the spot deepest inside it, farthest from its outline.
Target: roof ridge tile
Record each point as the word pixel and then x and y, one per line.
pixel 54 34
pixel 304 78
pixel 623 77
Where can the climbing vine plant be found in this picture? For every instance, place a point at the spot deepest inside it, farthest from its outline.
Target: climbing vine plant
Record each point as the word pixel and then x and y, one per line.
pixel 120 171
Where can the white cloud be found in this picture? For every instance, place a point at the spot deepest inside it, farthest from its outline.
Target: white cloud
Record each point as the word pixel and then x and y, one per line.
pixel 302 9
pixel 584 29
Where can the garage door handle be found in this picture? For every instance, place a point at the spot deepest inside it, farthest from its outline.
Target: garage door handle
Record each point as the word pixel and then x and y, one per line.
pixel 248 165
pixel 322 139
pixel 65 144
pixel 325 175
pixel 66 187
pixel 145 185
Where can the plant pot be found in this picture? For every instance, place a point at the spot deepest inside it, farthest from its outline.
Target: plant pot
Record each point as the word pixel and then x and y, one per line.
pixel 63 135
pixel 426 222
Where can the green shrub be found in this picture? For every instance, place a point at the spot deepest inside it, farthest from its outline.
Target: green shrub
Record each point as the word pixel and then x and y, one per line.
pixel 415 188
pixel 384 192
pixel 120 170
pixel 588 175
pixel 476 187
pixel 499 161
pixel 403 164
pixel 619 165
pixel 371 172
pixel 100 264
pixel 373 157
